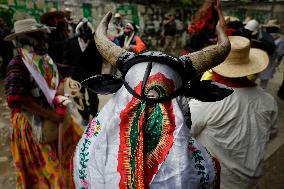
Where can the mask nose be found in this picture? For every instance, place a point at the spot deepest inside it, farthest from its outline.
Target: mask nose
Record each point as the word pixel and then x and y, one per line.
pixel 152 94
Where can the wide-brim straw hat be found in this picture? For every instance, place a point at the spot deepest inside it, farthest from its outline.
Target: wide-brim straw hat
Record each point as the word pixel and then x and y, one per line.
pixel 242 60
pixel 247 19
pixel 27 26
pixel 272 23
pixel 117 15
pixel 231 19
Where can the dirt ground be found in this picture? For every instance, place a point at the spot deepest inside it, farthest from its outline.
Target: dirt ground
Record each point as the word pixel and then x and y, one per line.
pixel 273 174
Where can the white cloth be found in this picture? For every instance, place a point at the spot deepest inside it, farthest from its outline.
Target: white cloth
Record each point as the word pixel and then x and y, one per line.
pixel 83 45
pixel 96 159
pixel 236 131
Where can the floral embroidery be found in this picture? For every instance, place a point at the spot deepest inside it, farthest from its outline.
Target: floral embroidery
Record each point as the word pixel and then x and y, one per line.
pixel 36 165
pixel 92 131
pixel 198 160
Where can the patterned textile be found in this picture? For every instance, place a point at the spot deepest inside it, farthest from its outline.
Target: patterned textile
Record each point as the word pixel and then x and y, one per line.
pixel 146 135
pixel 20 85
pixel 37 165
pixel 134 144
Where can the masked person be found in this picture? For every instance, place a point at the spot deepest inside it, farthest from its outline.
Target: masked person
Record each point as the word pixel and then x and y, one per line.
pixel 32 86
pixel 82 60
pixel 130 40
pixel 141 138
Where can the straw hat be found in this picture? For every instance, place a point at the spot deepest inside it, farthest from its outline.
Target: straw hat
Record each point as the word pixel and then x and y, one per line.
pixel 242 60
pixel 247 19
pixel 26 26
pixel 231 19
pixel 117 15
pixel 272 23
pixel 67 10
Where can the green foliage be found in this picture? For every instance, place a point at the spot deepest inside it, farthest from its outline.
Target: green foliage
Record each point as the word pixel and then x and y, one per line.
pixel 187 2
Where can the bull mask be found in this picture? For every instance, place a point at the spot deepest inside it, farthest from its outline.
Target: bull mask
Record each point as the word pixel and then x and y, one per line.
pixel 188 67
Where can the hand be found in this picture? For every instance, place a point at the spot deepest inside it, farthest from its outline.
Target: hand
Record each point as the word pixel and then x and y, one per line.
pixel 217 6
pixel 60 88
pixel 131 47
pixel 53 116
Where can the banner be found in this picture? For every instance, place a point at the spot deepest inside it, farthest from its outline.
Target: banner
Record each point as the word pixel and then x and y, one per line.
pixel 87 11
pixel 30 7
pixel 129 13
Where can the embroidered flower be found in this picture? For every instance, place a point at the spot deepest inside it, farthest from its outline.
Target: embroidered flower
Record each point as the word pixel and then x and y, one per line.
pixel 199 161
pixel 93 129
pixel 84 183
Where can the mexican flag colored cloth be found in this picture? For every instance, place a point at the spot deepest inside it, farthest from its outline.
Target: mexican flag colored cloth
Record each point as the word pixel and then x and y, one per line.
pixel 44 71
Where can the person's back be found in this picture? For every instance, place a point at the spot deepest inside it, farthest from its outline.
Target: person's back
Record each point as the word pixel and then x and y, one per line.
pixel 236 130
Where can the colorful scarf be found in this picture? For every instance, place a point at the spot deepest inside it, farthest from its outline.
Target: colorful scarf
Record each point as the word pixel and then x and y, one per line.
pixel 44 71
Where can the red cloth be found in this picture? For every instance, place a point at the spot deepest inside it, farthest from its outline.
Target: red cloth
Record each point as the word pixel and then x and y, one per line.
pixel 140 45
pixel 240 82
pixel 230 31
pixel 199 25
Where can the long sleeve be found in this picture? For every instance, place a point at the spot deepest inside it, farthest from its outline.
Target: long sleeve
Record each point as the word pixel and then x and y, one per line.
pixel 198 112
pixel 274 118
pixel 17 84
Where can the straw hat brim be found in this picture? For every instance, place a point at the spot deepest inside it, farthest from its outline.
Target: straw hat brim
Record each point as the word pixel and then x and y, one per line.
pixel 272 26
pixel 14 35
pixel 258 61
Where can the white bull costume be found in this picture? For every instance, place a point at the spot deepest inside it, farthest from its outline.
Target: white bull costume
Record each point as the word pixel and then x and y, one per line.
pixel 141 137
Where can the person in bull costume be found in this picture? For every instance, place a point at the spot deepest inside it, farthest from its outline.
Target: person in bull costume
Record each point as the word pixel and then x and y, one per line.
pixel 141 137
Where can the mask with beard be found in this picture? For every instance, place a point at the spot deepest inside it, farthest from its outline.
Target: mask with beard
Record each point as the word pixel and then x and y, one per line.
pixel 33 42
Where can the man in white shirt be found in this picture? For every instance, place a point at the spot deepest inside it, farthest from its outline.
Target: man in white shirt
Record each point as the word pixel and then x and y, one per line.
pixel 236 129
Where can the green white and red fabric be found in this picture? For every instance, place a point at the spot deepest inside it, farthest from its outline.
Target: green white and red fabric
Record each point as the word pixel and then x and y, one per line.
pixel 133 145
pixel 44 71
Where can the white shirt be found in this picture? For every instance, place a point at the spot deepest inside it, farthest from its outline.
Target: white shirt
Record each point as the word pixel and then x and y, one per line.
pixel 83 45
pixel 236 131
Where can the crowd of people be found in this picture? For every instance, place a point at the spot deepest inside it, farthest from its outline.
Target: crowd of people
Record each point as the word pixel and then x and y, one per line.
pixel 194 120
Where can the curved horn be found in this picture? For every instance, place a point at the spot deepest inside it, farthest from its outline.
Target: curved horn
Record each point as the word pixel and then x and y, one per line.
pixel 212 56
pixel 78 27
pixel 91 27
pixel 108 49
